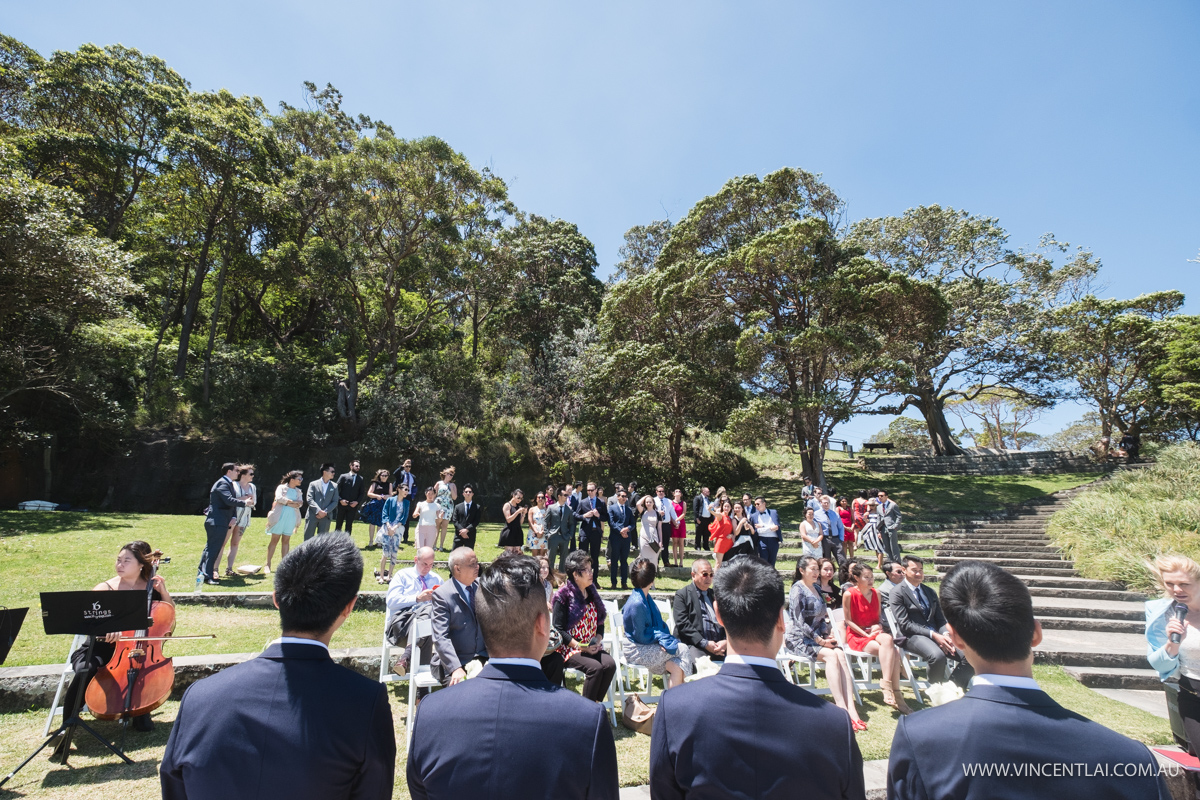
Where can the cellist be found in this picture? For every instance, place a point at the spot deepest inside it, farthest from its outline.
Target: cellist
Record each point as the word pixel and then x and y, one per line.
pixel 134 570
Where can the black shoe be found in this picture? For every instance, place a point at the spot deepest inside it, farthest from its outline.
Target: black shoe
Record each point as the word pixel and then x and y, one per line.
pixel 624 587
pixel 212 581
pixel 143 724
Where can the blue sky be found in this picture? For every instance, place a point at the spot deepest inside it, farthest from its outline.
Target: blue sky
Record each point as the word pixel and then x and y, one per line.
pixel 1081 119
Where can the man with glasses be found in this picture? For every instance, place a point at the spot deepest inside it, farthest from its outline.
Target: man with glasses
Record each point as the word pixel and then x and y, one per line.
pixel 766 524
pixel 351 491
pixel 465 520
pixel 696 617
pixel 622 520
pixel 408 599
pixel 591 516
pixel 666 519
pixel 558 530
pixel 457 639
pixel 322 499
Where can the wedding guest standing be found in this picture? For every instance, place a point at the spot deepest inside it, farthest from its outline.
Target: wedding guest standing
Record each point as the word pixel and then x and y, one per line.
pixel 285 515
pixel 351 493
pixel 591 515
pixel 720 530
pixel 378 492
pixel 511 537
pixel 243 488
pixel 678 527
pixel 466 519
pixel 222 503
pixel 766 524
pixel 447 493
pixel 427 512
pixel 1179 579
pixel 537 526
pixel 622 522
pixel 404 476
pixel 702 518
pixel 322 500
pixel 651 538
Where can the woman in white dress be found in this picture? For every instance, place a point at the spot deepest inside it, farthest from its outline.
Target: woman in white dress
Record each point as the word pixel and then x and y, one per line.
pixel 810 535
pixel 651 538
pixel 537 527
pixel 429 514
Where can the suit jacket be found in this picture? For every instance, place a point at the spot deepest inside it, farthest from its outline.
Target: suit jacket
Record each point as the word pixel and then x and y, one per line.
pixel 891 516
pixel 573 504
pixel 698 507
pixel 689 615
pixel 351 488
pixel 456 635
pixel 558 521
pixel 933 748
pixel 222 503
pixel 771 514
pixel 614 520
pixel 290 723
pixel 322 501
pixel 471 740
pixel 911 620
pixel 591 524
pixel 748 733
pixel 461 519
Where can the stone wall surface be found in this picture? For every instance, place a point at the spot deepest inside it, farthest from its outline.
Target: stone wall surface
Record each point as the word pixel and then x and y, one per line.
pixel 1040 462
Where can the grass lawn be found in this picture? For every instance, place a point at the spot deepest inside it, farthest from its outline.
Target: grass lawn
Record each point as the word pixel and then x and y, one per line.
pixel 94 773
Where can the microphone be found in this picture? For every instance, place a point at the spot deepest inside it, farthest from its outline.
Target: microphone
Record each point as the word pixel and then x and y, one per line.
pixel 1180 611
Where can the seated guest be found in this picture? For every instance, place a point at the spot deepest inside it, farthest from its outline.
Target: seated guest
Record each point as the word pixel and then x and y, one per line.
pixel 290 723
pixel 409 598
pixel 648 642
pixel 454 756
pixel 1006 718
pixel 827 585
pixel 456 636
pixel 1179 579
pixel 695 617
pixel 920 620
pixel 810 634
pixel 893 573
pixel 865 634
pixel 734 734
pixel 578 615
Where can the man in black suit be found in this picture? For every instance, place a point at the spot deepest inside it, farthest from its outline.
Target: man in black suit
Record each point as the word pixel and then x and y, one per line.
pixel 591 516
pixel 702 517
pixel 465 520
pixel 290 723
pixel 622 526
pixel 558 530
pixel 222 502
pixel 922 625
pixel 734 734
pixel 1006 720
pixel 351 491
pixel 573 502
pixel 695 615
pixel 460 749
pixel 457 639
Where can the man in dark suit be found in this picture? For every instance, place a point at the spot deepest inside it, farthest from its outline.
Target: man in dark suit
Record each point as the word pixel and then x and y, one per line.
pixel 290 723
pixel 573 502
pixel 591 516
pixel 222 502
pixel 922 625
pixel 695 615
pixel 462 750
pixel 1006 720
pixel 558 530
pixel 465 520
pixel 457 639
pixel 734 734
pixel 622 523
pixel 351 491
pixel 889 524
pixel 702 517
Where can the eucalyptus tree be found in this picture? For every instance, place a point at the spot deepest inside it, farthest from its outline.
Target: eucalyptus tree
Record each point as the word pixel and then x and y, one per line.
pixel 998 299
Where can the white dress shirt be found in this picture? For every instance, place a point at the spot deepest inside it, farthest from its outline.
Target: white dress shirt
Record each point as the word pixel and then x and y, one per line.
pixel 298 640
pixel 524 662
pixel 405 585
pixel 756 661
pixel 1011 681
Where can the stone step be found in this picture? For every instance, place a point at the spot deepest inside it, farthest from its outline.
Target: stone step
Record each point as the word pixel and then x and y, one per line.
pixel 986 536
pixel 1115 678
pixel 1072 648
pixel 1089 624
pixel 1089 609
pixel 1082 594
pixel 953 549
pixel 1020 567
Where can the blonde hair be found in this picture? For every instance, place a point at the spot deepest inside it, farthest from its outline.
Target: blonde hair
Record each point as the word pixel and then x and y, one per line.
pixel 1173 563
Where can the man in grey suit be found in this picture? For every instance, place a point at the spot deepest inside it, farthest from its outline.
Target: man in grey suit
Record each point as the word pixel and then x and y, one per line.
pixel 457 638
pixel 322 503
pixel 889 517
pixel 558 530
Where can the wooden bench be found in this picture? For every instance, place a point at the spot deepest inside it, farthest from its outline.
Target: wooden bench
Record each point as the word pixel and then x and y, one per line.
pixel 873 446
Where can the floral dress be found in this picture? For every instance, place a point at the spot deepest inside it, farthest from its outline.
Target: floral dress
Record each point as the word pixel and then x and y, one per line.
pixel 443 498
pixel 583 631
pixel 537 539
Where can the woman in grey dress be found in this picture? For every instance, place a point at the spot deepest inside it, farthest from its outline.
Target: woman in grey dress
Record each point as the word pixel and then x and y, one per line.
pixel 810 634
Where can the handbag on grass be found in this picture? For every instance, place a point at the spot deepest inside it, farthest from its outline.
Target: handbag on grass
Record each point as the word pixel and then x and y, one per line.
pixel 636 715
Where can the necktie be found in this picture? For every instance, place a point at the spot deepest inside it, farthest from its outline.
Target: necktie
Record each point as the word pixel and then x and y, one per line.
pixel 468 509
pixel 923 601
pixel 471 596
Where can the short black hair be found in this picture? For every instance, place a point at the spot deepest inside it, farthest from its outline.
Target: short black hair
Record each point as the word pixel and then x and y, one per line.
pixel 990 609
pixel 576 561
pixel 470 486
pixel 315 581
pixel 749 595
pixel 760 497
pixel 328 468
pixel 511 599
pixel 642 573
pixel 908 558
pixel 890 565
pixel 227 466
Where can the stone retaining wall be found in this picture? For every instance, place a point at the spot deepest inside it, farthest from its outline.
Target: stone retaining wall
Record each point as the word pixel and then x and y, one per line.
pixel 1015 463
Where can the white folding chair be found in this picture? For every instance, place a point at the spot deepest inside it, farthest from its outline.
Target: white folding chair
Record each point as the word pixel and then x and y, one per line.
pixel 634 677
pixel 667 610
pixel 420 676
pixel 67 673
pixel 909 661
pixel 386 675
pixel 865 662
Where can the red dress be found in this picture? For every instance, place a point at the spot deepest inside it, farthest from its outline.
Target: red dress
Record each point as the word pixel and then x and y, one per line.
pixel 679 529
pixel 720 532
pixel 863 614
pixel 847 523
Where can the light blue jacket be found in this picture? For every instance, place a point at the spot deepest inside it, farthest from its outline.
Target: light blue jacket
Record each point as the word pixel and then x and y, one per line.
pixel 1158 613
pixel 644 623
pixel 394 512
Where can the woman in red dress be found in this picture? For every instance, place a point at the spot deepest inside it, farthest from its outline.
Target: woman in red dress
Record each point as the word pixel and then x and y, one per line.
pixel 865 634
pixel 679 529
pixel 843 510
pixel 858 511
pixel 720 530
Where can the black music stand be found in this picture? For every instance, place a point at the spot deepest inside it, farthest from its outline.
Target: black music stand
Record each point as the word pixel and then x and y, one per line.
pixel 89 614
pixel 10 626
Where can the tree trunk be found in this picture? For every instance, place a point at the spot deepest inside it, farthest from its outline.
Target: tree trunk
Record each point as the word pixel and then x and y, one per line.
pixel 193 300
pixel 347 400
pixel 212 328
pixel 474 330
pixel 940 437
pixel 675 443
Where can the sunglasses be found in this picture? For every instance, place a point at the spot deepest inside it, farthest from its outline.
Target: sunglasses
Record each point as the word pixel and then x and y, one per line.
pixel 704 574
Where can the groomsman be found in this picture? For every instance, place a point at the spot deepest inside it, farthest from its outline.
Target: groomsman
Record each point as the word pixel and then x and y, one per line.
pixel 221 505
pixel 322 500
pixel 591 516
pixel 702 517
pixel 351 491
pixel 465 520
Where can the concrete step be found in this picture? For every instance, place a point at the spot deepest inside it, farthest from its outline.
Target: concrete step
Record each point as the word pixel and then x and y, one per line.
pixel 1021 567
pixel 988 536
pixel 1071 648
pixel 1115 678
pixel 1089 609
pixel 1082 594
pixel 1090 624
pixel 1006 552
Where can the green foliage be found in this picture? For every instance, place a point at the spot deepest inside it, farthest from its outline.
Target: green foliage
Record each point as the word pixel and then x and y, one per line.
pixel 1135 516
pixel 1078 436
pixel 906 433
pixel 1179 374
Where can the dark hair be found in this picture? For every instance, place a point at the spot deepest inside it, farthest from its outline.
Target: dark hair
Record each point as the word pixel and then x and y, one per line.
pixel 890 565
pixel 470 486
pixel 801 565
pixel 244 468
pixel 760 497
pixel 228 465
pixel 844 572
pixel 429 489
pixel 576 561
pixel 821 562
pixel 578 484
pixel 642 573
pixel 290 476
pixel 872 492
pixel 858 569
pixel 315 581
pixel 749 595
pixel 328 467
pixel 141 552
pixel 911 559
pixel 990 609
pixel 862 493
pixel 511 599
pixel 516 492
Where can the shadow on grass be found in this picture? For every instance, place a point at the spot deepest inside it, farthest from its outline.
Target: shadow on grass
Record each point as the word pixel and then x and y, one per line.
pixel 100 773
pixel 16 523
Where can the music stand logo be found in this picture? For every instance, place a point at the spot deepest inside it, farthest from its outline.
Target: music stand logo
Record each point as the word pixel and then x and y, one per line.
pixel 96 613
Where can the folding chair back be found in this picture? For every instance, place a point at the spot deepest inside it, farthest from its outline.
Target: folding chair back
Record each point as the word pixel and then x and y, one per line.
pixel 67 673
pixel 865 662
pixel 420 675
pixel 909 661
pixel 386 675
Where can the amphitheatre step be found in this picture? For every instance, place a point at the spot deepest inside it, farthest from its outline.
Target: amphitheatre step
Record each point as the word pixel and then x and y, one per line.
pixel 1092 649
pixel 995 550
pixel 1115 678
pixel 1091 624
pixel 993 535
pixel 1093 609
pixel 1021 566
pixel 1082 594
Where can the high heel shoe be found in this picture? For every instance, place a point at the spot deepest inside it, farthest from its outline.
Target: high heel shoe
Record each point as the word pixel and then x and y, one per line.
pixel 893 698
